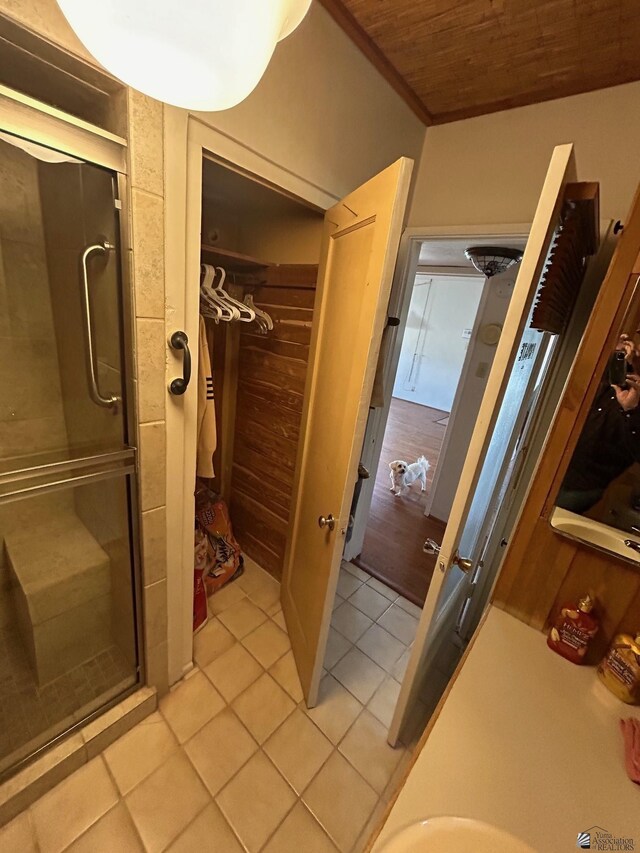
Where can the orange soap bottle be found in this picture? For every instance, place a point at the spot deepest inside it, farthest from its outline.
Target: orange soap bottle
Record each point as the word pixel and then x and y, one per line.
pixel 573 630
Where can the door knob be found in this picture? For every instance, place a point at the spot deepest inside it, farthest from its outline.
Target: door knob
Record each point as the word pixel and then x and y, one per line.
pixel 462 563
pixel 329 522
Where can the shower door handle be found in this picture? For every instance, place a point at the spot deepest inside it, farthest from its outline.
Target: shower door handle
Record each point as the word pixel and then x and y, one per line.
pixel 94 391
pixel 179 340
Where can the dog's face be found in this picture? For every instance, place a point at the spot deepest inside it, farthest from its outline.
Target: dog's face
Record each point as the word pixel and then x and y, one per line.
pixel 398 467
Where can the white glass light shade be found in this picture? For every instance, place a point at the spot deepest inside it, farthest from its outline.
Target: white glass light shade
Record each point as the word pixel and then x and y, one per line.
pixel 197 54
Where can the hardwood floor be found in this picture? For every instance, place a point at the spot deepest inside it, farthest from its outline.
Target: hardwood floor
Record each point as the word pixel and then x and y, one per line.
pixel 397 527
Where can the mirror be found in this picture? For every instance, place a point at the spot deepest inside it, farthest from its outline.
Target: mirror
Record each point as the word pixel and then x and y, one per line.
pixel 602 482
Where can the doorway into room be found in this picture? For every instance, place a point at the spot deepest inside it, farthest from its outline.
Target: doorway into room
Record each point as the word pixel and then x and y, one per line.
pixel 436 339
pixel 436 375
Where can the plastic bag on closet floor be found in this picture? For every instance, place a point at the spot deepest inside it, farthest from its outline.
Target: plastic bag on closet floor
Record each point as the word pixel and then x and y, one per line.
pixel 220 552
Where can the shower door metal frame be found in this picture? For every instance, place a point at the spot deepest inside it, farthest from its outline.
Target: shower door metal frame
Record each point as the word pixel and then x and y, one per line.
pixel 37 122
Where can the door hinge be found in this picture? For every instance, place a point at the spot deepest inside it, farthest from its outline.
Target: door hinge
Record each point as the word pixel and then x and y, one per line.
pixel 117 203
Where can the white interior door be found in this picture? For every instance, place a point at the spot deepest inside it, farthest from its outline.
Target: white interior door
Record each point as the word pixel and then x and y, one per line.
pixel 448 586
pixel 360 244
pixel 494 304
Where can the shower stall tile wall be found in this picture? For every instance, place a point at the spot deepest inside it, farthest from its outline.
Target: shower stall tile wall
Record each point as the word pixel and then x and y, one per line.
pixel 146 168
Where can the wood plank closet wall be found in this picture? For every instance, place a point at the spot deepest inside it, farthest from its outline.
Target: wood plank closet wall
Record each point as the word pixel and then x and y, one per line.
pixel 260 409
pixel 543 570
pixel 271 382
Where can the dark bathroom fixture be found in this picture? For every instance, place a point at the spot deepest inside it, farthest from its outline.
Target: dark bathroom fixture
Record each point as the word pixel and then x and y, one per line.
pixel 491 260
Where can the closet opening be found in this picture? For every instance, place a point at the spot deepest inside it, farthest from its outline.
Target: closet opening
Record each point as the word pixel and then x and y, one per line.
pixel 259 255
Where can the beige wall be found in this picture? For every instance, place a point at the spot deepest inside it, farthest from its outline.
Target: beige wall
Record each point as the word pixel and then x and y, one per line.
pixel 490 169
pixel 284 239
pixel 323 112
pixel 31 412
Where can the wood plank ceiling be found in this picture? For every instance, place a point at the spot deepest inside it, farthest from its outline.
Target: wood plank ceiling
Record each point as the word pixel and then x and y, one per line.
pixel 452 59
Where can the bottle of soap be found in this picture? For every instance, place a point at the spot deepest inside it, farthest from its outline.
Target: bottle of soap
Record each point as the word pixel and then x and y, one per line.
pixel 573 630
pixel 620 668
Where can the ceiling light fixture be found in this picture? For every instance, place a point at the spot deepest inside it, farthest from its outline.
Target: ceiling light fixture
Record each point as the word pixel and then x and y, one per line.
pixel 200 54
pixel 492 260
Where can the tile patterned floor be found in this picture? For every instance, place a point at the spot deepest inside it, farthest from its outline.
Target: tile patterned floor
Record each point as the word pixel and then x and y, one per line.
pixel 233 760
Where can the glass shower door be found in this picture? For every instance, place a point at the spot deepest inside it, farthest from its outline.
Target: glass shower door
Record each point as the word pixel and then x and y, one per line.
pixel 68 637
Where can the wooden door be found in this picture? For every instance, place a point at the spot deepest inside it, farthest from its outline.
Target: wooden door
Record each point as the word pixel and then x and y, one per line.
pixel 360 244
pixel 446 591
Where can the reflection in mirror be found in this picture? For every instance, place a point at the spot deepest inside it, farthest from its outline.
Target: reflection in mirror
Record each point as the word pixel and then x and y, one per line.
pixel 603 478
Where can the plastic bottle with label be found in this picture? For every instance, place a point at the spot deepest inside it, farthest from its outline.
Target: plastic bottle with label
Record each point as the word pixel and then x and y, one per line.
pixel 573 630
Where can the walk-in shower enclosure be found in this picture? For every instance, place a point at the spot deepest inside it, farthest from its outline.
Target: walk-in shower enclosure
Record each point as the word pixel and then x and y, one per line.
pixel 68 622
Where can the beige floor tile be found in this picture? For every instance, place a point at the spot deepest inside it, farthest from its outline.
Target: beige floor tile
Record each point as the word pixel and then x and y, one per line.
pixel 166 802
pixel 285 673
pixel 347 584
pixel 337 601
pixel 208 833
pixel 256 801
pixel 356 571
pixel 220 749
pixel 266 596
pixel 18 836
pixel 369 601
pixel 381 647
pixel 211 642
pixel 226 597
pixel 233 671
pixel 278 618
pixel 114 831
pixel 350 622
pixel 68 810
pixel 341 800
pixel 191 704
pixel 401 624
pixel 300 833
pixel 267 643
pixel 373 825
pixel 242 618
pixel 400 666
pixel 336 709
pixel 337 647
pixel 365 746
pixel 382 588
pixel 359 674
pixel 254 577
pixel 263 707
pixel 409 606
pixel 137 753
pixel 298 749
pixel 383 703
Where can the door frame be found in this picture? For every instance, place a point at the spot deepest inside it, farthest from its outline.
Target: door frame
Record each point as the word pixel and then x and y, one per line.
pixel 187 139
pixel 399 303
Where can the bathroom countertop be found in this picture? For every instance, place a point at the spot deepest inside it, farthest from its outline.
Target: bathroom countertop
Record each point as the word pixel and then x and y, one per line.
pixel 526 741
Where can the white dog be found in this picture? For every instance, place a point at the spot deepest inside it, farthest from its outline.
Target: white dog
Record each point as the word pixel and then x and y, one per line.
pixel 403 475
